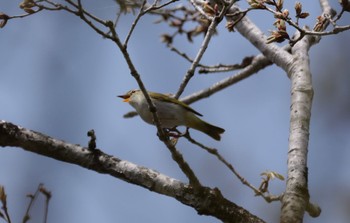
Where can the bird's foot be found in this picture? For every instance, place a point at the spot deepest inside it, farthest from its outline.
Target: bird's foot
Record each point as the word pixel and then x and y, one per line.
pixel 174 132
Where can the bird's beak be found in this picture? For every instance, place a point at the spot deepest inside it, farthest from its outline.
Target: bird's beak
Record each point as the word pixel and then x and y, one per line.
pixel 125 97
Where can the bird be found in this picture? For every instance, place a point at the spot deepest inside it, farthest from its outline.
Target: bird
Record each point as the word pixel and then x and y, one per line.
pixel 171 112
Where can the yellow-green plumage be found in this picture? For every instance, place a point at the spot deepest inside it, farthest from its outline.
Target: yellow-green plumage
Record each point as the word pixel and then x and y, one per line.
pixel 171 112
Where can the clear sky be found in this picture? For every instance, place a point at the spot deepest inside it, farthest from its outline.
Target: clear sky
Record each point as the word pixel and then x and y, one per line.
pixel 59 77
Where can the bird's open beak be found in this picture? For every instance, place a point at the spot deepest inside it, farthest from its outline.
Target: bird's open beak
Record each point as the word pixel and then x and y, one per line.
pixel 125 97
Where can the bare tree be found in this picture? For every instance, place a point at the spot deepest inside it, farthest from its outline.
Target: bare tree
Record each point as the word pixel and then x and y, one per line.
pixel 203 17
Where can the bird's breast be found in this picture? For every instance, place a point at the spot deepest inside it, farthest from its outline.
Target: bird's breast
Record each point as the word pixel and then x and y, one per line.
pixel 170 114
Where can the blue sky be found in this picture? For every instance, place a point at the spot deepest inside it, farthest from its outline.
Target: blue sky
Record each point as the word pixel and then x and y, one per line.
pixel 59 77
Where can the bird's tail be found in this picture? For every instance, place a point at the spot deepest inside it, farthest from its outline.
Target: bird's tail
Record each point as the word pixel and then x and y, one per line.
pixel 209 129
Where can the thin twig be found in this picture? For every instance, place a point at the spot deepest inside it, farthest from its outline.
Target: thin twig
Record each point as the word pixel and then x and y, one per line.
pixel 340 14
pixel 184 55
pixel 225 68
pixel 47 195
pixel 258 63
pixel 96 19
pixel 3 200
pixel 32 200
pixel 116 20
pixel 288 20
pixel 139 15
pixel 142 12
pixel 335 30
pixel 22 15
pixel 79 13
pixel 205 43
pixel 215 152
pixel 200 10
pixel 80 7
pixel 218 68
pixel 211 29
pixel 156 7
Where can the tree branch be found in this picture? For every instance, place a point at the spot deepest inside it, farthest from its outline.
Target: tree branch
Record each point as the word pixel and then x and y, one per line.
pixel 199 56
pixel 256 37
pixel 295 201
pixel 206 201
pixel 259 62
pixel 215 152
pixel 211 30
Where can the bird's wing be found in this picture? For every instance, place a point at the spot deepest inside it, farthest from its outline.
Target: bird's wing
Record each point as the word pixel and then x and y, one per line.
pixel 168 99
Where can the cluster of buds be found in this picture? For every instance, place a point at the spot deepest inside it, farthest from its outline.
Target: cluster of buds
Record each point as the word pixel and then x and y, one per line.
pixel 257 4
pixel 298 11
pixel 202 28
pixel 266 177
pixel 27 6
pixel 3 19
pixel 345 4
pixel 178 22
pixel 282 15
pixel 280 34
pixel 230 25
pixel 320 24
pixel 129 6
pixel 209 10
pixel 261 4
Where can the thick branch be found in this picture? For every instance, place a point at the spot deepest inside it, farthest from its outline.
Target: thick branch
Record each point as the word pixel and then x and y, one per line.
pixel 205 200
pixel 296 198
pixel 252 33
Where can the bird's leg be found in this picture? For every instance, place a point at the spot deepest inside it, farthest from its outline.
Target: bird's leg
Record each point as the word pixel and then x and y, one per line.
pixel 187 133
pixel 174 132
pixel 166 131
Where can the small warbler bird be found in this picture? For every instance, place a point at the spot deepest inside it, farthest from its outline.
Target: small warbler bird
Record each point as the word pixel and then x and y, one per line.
pixel 171 112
